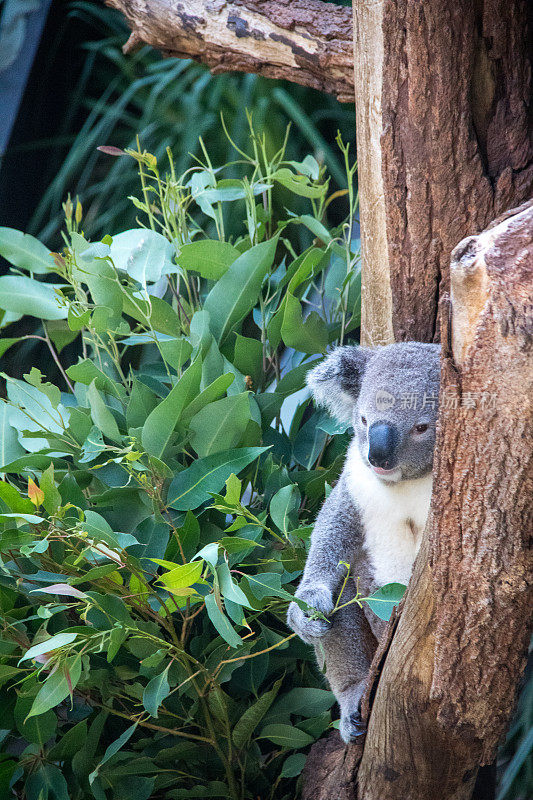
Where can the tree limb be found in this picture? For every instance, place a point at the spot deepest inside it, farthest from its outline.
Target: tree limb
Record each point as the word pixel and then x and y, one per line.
pixel 304 41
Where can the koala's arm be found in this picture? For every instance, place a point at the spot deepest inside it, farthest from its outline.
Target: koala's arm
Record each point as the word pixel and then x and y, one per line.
pixel 336 537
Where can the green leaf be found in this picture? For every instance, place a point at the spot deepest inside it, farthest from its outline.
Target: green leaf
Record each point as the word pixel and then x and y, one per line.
pixel 209 257
pixel 100 530
pixel 47 782
pixel 180 577
pixel 298 184
pixel 144 254
pixel 233 489
pixel 6 343
pixel 220 425
pixel 236 293
pixel 155 692
pixel 33 519
pixel 309 442
pixel 142 403
pixel 49 645
pixel 221 622
pixel 293 765
pixel 294 380
pixel 157 312
pixel 194 485
pixel 229 588
pixel 92 446
pixel 52 498
pixel 26 252
pixel 314 226
pixel 70 742
pixel 310 336
pixel 113 748
pixel 176 351
pixel 286 736
pixel 7 672
pixel 56 687
pixel 304 701
pixel 7 770
pixel 158 429
pixel 253 715
pixel 248 357
pixel 268 584
pixel 86 371
pixel 101 415
pixel 10 496
pixel 213 392
pixel 383 601
pixel 27 296
pixel 283 506
pixel 37 730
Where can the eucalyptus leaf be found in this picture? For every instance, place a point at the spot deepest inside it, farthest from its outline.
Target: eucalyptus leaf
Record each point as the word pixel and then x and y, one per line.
pixel 235 294
pixel 194 485
pixel 383 601
pixel 155 692
pixel 31 297
pixel 25 251
pixel 220 425
pixel 210 258
pixel 144 254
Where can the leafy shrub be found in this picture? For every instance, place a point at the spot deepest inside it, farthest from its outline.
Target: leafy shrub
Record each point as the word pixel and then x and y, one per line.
pixel 155 514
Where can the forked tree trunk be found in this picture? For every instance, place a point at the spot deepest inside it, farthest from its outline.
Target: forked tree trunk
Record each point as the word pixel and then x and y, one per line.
pixel 448 684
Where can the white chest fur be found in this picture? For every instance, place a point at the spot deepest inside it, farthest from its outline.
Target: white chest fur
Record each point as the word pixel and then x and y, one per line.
pixel 394 516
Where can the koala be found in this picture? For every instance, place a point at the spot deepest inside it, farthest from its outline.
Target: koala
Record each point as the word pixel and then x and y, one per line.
pixel 374 517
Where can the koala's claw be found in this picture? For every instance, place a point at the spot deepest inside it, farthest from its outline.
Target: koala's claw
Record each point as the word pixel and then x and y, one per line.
pixel 306 627
pixel 352 727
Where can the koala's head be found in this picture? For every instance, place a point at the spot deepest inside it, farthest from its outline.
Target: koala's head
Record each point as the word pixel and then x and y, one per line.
pixel 390 396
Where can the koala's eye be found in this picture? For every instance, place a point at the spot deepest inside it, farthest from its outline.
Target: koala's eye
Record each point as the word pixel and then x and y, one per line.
pixel 421 428
pixel 363 420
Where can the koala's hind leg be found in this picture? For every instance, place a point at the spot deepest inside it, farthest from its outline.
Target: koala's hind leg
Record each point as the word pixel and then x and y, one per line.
pixel 346 650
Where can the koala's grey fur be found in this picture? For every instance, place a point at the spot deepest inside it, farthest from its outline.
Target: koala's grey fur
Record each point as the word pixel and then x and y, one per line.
pixel 374 522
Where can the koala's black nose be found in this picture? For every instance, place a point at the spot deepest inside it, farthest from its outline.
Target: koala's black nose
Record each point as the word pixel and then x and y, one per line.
pixel 382 442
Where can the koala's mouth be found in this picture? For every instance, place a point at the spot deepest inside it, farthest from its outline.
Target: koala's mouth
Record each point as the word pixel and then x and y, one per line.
pixel 393 474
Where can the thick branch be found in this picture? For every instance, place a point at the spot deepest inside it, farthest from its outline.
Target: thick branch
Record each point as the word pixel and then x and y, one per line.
pixel 304 41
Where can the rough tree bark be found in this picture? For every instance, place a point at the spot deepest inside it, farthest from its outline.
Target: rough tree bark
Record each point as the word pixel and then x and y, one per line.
pixel 453 119
pixel 304 41
pixel 449 680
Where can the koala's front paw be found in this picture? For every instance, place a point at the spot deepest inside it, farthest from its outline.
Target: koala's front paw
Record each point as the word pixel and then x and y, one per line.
pixel 307 628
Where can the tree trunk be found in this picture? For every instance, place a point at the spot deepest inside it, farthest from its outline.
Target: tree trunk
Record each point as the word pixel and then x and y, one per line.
pixel 304 41
pixel 448 684
pixel 445 144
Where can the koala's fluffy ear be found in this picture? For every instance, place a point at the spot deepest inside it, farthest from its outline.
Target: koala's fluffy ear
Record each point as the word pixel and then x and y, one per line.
pixel 336 382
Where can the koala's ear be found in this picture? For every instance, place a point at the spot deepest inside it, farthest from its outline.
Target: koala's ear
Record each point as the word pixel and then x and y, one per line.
pixel 336 382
